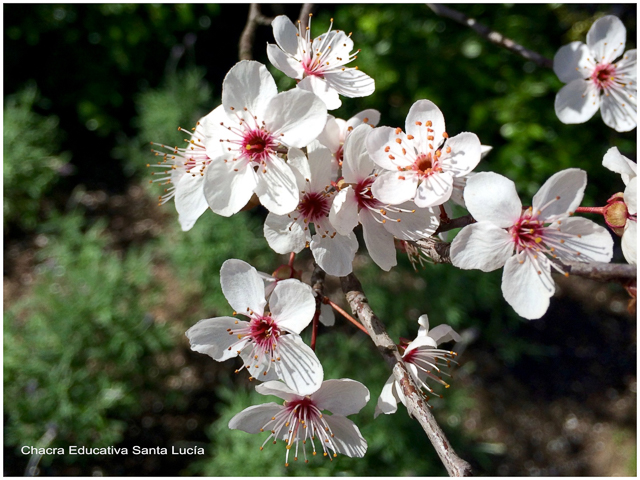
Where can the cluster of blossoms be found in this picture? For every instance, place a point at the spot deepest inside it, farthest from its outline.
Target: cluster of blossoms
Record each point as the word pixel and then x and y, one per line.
pixel 319 177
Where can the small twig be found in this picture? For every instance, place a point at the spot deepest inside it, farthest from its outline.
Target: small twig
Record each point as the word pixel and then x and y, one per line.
pixel 455 223
pixel 604 272
pixel 317 285
pixel 305 11
pixel 338 309
pixel 491 35
pixel 456 467
pixel 292 257
pixel 255 18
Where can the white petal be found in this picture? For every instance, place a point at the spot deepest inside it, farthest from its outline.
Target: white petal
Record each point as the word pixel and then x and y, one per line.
pixel 434 190
pixel 594 242
pixel 422 223
pixel 296 117
pixel 482 246
pixel 292 305
pixel 289 66
pixel 248 85
pixel 319 166
pixel 190 200
pixel 285 33
pixel 443 334
pixel 226 190
pixel 421 112
pixel 420 341
pixel 346 436
pixel 526 290
pixel 631 196
pixel 330 136
pixel 369 116
pixel 254 418
pixel 335 255
pixel 344 211
pixel 561 193
pixel 619 109
pixel 277 389
pixel 342 396
pixel 377 142
pixel 351 83
pixel 299 164
pixel 277 188
pixel 395 187
pixel 570 61
pixel 484 150
pixel 387 401
pixel 321 88
pixel 211 337
pixel 357 164
pixel 242 287
pixel 606 38
pixel 379 242
pixel 630 242
pixel 577 102
pixel 616 162
pixel 423 321
pixel 490 197
pixel 327 317
pixel 298 366
pixel 465 154
pixel 284 235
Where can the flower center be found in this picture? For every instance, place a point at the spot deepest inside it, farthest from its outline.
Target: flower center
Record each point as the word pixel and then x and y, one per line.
pixel 312 67
pixel 364 197
pixel 264 331
pixel 527 233
pixel 314 206
pixel 604 75
pixel 425 164
pixel 257 144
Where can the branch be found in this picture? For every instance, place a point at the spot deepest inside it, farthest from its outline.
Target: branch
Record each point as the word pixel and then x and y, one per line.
pixel 456 467
pixel 455 223
pixel 491 35
pixel 255 18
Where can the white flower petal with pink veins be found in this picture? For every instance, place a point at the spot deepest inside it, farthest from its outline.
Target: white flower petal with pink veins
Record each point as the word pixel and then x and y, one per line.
pixel 424 362
pixel 616 162
pixel 301 423
pixel 319 64
pixel 527 284
pixel 425 155
pixel 594 81
pixel 269 344
pixel 258 122
pixel 590 241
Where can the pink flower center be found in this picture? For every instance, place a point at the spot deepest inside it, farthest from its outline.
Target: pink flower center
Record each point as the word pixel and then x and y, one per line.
pixel 257 144
pixel 364 197
pixel 426 164
pixel 265 332
pixel 527 233
pixel 604 75
pixel 312 68
pixel 314 206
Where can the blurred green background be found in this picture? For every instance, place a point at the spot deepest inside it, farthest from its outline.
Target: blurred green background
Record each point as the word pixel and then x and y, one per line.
pixel 100 284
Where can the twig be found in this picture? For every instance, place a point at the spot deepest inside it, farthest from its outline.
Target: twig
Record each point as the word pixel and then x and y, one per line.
pixel 339 309
pixel 305 11
pixel 604 272
pixel 317 284
pixel 456 467
pixel 491 35
pixel 255 18
pixel 455 223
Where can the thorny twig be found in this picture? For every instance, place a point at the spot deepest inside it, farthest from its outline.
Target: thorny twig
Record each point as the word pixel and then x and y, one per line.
pixel 456 467
pixel 491 35
pixel 255 18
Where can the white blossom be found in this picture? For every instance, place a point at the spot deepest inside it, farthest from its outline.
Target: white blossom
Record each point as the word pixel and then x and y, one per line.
pixel 529 242
pixel 595 80
pixel 318 65
pixel 299 421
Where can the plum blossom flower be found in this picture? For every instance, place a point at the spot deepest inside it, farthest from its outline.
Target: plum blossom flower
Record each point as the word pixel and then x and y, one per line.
pixel 333 252
pixel 337 130
pixel 422 357
pixel 595 80
pixel 319 65
pixel 355 204
pixel 528 242
pixel 268 343
pixel 257 120
pixel 300 419
pixel 184 171
pixel 422 163
pixel 621 213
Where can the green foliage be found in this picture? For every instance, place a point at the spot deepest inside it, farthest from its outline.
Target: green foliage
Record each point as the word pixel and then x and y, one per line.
pixel 31 157
pixel 76 348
